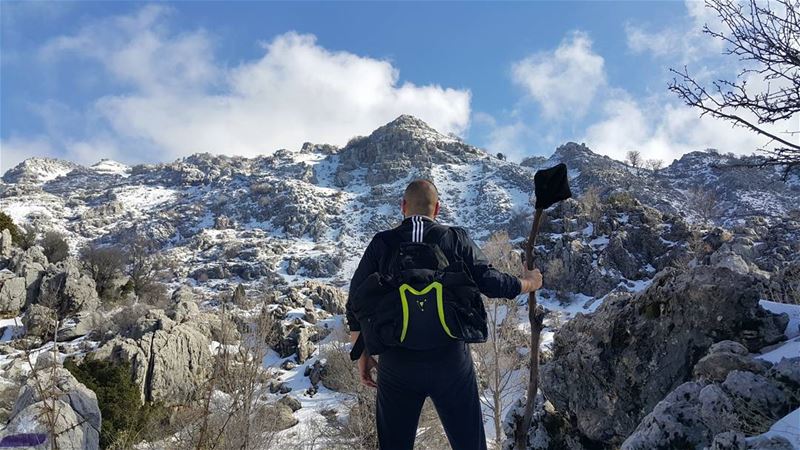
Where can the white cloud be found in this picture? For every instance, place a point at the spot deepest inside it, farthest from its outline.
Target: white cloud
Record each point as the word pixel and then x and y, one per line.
pixel 564 81
pixel 15 149
pixel 662 130
pixel 504 138
pixel 181 99
pixel 684 42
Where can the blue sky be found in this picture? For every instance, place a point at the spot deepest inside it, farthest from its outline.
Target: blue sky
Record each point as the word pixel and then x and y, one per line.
pixel 144 82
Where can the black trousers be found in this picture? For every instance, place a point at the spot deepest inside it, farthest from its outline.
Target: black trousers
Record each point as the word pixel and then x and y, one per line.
pixel 447 376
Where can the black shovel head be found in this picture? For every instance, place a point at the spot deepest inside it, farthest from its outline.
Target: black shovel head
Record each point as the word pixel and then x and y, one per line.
pixel 551 186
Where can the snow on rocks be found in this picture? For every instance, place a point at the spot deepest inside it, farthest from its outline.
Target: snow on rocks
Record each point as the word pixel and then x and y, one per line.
pixel 611 367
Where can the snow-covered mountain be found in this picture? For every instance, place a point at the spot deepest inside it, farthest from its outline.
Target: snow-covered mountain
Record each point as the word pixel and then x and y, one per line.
pixel 332 200
pixel 291 226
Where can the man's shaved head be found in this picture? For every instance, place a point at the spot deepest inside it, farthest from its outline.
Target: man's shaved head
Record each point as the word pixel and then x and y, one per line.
pixel 421 197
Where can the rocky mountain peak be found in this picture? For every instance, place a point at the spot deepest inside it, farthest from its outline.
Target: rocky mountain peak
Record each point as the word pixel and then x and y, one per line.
pixel 391 151
pixel 408 122
pixel 572 151
pixel 110 167
pixel 39 170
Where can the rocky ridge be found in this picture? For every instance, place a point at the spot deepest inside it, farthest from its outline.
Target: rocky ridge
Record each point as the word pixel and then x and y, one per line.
pixel 284 232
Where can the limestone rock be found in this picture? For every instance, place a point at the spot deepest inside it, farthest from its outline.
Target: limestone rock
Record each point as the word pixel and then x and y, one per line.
pixel 78 420
pixel 5 244
pixel 67 290
pixel 291 402
pixel 717 365
pixel 329 298
pixel 611 368
pixel 169 365
pixel 717 414
pixel 295 338
pixel 277 417
pixel 39 321
pixel 13 293
pixel 30 265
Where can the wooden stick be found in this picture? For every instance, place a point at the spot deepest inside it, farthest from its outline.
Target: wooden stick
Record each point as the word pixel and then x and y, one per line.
pixel 536 318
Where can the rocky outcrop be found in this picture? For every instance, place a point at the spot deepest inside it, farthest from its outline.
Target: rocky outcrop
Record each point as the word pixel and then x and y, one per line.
pixel 719 409
pixel 39 321
pixel 55 395
pixel 612 367
pixel 394 150
pixel 295 338
pixel 5 244
pixel 68 291
pixel 13 293
pixel 329 298
pixel 169 361
pixel 31 265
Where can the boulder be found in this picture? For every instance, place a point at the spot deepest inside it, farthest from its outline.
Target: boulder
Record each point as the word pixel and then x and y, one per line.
pixel 329 298
pixel 67 290
pixel 5 244
pixel 277 417
pixel 610 368
pixel 13 293
pixel 291 402
pixel 295 338
pixel 719 414
pixel 79 325
pixel 183 311
pixel 169 365
pixel 77 416
pixel 716 366
pixel 239 297
pixel 30 265
pixel 39 321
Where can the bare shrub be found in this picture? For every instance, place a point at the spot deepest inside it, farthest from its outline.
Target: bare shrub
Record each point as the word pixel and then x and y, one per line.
pixel 654 165
pixel 144 264
pixel 154 294
pixel 704 202
pixel 123 322
pixel 591 204
pixel 54 246
pixel 104 264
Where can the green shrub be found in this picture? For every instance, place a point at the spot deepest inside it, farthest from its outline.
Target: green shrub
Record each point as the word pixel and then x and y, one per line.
pixel 7 223
pixel 125 418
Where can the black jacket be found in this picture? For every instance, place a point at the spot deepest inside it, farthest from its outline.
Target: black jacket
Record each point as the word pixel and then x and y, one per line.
pixel 455 244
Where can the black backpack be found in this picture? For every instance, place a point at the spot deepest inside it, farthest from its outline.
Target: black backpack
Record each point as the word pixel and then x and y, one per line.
pixel 423 302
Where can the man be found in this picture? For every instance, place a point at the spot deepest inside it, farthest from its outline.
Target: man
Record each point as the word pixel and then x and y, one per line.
pixel 406 377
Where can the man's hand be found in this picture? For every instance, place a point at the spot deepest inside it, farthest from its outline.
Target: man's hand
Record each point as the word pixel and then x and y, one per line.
pixel 531 280
pixel 365 365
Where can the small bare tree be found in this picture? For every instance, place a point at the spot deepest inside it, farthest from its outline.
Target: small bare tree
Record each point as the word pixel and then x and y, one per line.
pixel 104 264
pixel 654 165
pixel 143 266
pixel 499 359
pixel 704 202
pixel 765 36
pixel 634 159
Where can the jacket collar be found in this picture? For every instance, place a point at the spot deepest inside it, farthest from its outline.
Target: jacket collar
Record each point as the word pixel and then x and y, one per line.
pixel 424 218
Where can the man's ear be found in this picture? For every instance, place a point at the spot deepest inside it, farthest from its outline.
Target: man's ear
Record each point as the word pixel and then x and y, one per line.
pixel 403 206
pixel 436 210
